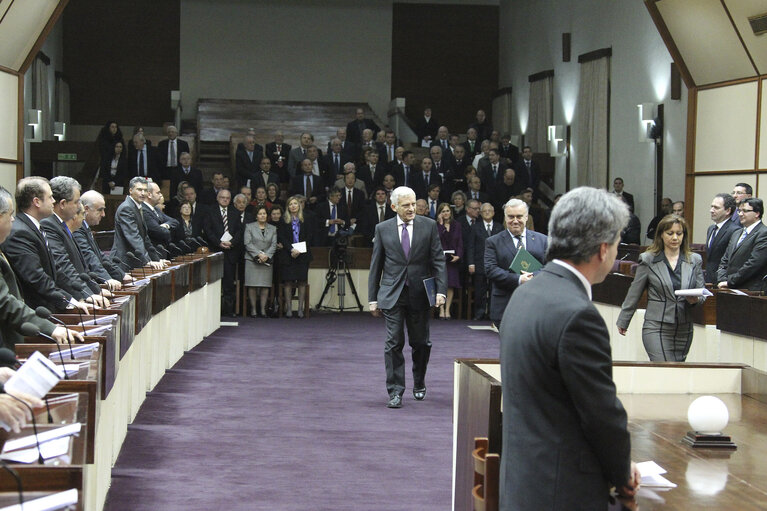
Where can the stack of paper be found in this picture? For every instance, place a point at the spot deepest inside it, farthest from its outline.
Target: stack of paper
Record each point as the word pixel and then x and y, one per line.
pixel 651 475
pixel 60 500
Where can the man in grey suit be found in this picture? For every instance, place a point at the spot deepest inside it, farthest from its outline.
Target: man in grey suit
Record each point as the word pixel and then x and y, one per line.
pixel 500 250
pixel 744 264
pixel 94 205
pixel 130 229
pixel 406 250
pixel 565 440
pixel 718 235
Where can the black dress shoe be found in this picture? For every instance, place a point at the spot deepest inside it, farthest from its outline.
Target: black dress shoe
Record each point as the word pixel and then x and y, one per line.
pixel 394 402
pixel 419 394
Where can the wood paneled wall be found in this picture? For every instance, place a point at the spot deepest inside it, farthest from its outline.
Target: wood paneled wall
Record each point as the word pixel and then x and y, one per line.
pixel 122 59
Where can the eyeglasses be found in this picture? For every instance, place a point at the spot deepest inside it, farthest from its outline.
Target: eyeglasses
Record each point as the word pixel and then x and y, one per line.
pixel 744 211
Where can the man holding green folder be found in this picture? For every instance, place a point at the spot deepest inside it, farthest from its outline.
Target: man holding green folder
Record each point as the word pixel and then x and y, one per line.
pixel 512 257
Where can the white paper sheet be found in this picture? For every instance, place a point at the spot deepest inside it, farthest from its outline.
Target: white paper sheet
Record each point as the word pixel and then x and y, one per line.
pixel 53 502
pixel 699 292
pixel 36 376
pixel 45 436
pixel 226 237
pixel 300 246
pixel 49 450
pixel 651 475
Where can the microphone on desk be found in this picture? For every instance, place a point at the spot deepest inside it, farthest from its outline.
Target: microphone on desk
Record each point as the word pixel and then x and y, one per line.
pixel 123 265
pixel 15 475
pixel 192 240
pixel 31 330
pixel 201 241
pixel 162 249
pixel 8 359
pixel 99 280
pixel 87 278
pixel 188 249
pixel 40 459
pixel 44 313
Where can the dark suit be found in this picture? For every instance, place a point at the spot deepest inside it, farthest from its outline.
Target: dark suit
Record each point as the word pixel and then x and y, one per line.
pixel 489 181
pixel 32 262
pixel 13 311
pixel 324 213
pixel 424 128
pixel 511 152
pixel 358 202
pixel 298 186
pixel 528 178
pixel 193 177
pixel 94 259
pixel 245 167
pixel 369 218
pixel 565 440
pixel 272 177
pixel 271 152
pixel 421 186
pixel 130 234
pixel 67 258
pixel 499 253
pixel 628 199
pixel 120 176
pixel 716 248
pixel 396 283
pixel 151 165
pixel 331 170
pixel 476 256
pixel 471 153
pixel 744 266
pixel 213 225
pixel 154 218
pixel 355 128
pixel 162 154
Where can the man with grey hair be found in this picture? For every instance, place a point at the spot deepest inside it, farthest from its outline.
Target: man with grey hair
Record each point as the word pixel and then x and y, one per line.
pixel 28 252
pixel 13 311
pixel 500 251
pixel 406 250
pixel 563 426
pixel 130 229
pixel 67 257
pixel 159 226
pixel 95 207
pixel 247 160
pixel 142 161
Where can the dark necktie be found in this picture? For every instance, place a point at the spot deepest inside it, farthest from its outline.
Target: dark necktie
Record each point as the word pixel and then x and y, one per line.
pixel 518 242
pixel 337 163
pixel 349 203
pixel 713 235
pixel 66 228
pixel 495 170
pixel 225 219
pixel 141 169
pixel 489 229
pixel 405 240
pixel 333 217
pixel 381 213
pixel 172 153
pixel 308 186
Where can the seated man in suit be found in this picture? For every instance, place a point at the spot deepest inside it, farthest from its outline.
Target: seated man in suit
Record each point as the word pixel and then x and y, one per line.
pixel 472 144
pixel 159 226
pixel 500 250
pixel 718 234
pixel 439 163
pixel 475 190
pixel 66 256
pixel 265 175
pixel 744 264
pixel 110 271
pixel 130 229
pixel 185 172
pixel 278 152
pixel 421 180
pixel 29 255
pixel 331 218
pixel 308 184
pixel 169 152
pixel 13 311
pixel 224 218
pixel 247 159
pixel 349 168
pixel 335 160
pixel 443 139
pixel 143 161
pixel 480 232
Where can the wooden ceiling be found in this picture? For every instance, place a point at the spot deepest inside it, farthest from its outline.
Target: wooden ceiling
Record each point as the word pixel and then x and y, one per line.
pixel 711 40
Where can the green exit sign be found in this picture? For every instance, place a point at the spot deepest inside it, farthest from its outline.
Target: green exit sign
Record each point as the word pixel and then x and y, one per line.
pixel 68 156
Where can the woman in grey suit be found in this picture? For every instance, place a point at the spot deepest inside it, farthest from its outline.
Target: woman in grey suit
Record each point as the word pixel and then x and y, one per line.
pixel 260 245
pixel 667 266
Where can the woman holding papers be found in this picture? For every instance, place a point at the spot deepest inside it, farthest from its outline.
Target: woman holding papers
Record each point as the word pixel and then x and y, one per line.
pixel 260 246
pixel 452 243
pixel 296 238
pixel 666 267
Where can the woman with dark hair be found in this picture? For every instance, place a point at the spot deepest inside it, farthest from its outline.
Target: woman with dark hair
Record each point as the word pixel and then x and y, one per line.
pixel 667 266
pixel 294 263
pixel 260 246
pixel 452 243
pixel 273 196
pixel 114 169
pixel 109 135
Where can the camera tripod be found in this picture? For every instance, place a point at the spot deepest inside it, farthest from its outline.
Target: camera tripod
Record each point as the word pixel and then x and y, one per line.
pixel 340 272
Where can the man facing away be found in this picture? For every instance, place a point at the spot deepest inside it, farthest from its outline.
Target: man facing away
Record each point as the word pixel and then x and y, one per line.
pixel 406 251
pixel 565 440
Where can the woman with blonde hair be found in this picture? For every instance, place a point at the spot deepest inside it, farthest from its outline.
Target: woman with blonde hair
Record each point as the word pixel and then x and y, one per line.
pixel 667 266
pixel 294 263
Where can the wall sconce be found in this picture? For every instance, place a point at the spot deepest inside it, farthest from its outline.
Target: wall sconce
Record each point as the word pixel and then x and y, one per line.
pixel 557 142
pixel 33 117
pixel 60 130
pixel 646 121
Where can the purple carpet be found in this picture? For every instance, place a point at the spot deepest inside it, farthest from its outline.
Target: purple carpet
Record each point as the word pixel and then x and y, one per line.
pixel 290 414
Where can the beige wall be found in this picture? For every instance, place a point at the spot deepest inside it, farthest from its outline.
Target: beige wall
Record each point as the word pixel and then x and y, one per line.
pixel 9 104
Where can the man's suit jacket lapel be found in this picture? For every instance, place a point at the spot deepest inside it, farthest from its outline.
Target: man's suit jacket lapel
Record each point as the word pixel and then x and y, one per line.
pixel 749 241
pixel 49 257
pixel 137 213
pixel 507 240
pixel 10 277
pixel 392 232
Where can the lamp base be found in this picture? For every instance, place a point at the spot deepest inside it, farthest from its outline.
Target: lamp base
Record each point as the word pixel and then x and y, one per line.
pixel 698 440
